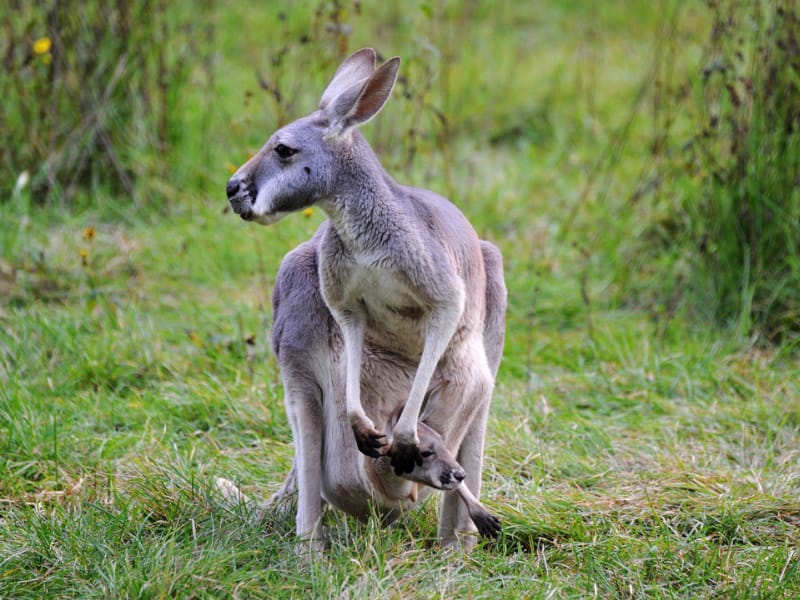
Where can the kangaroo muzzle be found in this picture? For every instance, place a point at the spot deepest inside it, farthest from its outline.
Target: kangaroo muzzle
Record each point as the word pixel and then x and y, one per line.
pixel 241 197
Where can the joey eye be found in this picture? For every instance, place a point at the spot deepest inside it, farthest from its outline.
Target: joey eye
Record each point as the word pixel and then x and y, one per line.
pixel 284 151
pixel 426 454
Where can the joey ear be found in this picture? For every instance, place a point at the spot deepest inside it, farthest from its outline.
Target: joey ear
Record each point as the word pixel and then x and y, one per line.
pixel 432 397
pixel 363 100
pixel 354 69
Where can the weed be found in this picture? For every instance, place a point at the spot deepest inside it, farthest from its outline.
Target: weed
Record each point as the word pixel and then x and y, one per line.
pixel 727 152
pixel 92 94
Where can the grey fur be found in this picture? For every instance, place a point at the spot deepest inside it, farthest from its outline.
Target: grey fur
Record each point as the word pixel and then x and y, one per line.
pixel 394 294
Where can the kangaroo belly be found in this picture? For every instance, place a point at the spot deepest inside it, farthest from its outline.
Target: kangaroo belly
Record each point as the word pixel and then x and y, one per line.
pixel 395 315
pixel 398 326
pixel 346 492
pixel 348 481
pixel 353 487
pixel 361 497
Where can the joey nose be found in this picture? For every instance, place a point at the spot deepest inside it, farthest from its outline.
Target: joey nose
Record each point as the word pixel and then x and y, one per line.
pixel 232 188
pixel 459 475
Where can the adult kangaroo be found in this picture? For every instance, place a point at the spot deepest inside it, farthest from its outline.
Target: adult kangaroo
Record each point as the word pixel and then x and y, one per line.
pixel 394 293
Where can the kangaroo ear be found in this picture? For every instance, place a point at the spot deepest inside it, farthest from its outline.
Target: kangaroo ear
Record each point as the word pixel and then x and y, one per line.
pixel 432 397
pixel 362 101
pixel 353 70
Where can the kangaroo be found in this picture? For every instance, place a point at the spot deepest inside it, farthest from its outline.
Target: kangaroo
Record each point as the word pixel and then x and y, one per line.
pixel 395 292
pixel 439 470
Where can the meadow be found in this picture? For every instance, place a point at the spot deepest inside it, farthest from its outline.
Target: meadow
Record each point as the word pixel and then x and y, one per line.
pixel 641 442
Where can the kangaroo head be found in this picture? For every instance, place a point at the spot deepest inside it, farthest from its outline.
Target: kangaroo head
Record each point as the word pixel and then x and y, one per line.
pixel 302 163
pixel 439 467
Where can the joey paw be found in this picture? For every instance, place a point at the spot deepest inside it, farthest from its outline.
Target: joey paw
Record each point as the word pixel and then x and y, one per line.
pixel 368 440
pixel 403 457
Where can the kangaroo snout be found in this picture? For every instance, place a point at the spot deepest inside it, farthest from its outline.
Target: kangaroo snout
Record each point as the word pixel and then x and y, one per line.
pixel 450 479
pixel 241 198
pixel 233 187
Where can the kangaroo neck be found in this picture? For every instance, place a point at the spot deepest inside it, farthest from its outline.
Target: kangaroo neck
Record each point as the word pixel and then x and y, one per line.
pixel 364 208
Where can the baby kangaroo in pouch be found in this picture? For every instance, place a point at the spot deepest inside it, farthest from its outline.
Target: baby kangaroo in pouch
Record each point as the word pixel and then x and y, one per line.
pixel 394 293
pixel 392 493
pixel 439 470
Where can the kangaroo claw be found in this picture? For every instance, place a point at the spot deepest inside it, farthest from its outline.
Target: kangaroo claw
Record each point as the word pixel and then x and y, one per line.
pixel 369 441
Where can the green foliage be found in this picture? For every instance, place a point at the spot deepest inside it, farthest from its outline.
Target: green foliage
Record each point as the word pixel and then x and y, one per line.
pixel 735 214
pixel 626 456
pixel 92 93
pixel 750 210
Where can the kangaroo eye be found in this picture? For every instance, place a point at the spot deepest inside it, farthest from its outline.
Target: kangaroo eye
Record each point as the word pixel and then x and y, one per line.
pixel 283 151
pixel 426 454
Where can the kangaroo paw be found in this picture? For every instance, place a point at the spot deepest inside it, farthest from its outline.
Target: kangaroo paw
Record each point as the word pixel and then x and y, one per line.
pixel 403 457
pixel 368 440
pixel 230 492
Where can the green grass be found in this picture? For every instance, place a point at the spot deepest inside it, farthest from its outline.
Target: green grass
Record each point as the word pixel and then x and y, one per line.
pixel 627 456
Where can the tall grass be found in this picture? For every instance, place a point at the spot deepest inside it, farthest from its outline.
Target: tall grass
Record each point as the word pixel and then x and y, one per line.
pixel 728 180
pixel 92 93
pixel 749 240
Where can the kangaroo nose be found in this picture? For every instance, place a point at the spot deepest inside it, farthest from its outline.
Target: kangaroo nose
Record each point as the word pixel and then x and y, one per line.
pixel 459 475
pixel 232 188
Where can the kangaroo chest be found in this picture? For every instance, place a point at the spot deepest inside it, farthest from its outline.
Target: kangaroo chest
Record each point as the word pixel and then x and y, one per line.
pixel 395 317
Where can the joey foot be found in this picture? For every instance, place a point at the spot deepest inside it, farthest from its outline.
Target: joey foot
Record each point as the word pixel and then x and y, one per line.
pixel 368 440
pixel 488 525
pixel 403 457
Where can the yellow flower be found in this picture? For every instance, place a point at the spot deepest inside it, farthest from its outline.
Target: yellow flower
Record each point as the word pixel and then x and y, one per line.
pixel 88 233
pixel 195 338
pixel 42 45
pixel 308 212
pixel 84 256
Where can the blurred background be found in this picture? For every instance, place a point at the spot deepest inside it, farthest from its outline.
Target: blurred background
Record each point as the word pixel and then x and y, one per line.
pixel 645 151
